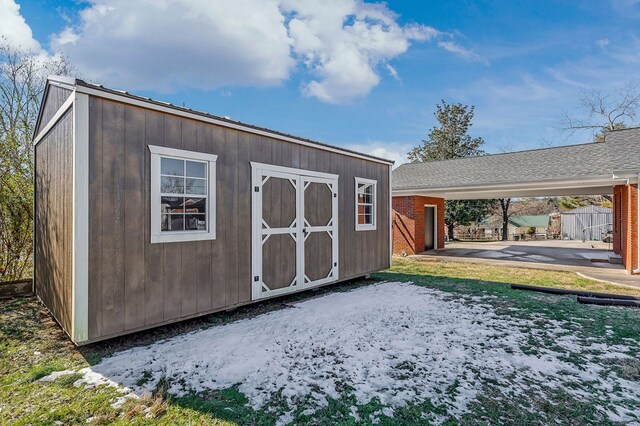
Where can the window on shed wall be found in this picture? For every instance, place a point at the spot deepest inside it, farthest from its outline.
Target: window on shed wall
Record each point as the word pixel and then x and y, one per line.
pixel 182 195
pixel 365 204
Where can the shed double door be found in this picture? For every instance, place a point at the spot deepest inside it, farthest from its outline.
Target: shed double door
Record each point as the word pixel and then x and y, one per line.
pixel 295 230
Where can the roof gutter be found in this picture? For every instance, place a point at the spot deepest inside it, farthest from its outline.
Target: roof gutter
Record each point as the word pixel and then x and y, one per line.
pixel 557 182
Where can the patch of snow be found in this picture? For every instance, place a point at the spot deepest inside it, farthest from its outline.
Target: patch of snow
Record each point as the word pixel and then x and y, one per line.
pixel 91 379
pixel 354 413
pixel 397 342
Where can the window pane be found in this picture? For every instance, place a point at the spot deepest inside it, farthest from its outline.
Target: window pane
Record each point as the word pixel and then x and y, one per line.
pixel 365 193
pixel 172 205
pixel 196 186
pixel 196 169
pixel 196 222
pixel 195 205
pixel 172 185
pixel 172 222
pixel 368 210
pixel 172 166
pixel 365 219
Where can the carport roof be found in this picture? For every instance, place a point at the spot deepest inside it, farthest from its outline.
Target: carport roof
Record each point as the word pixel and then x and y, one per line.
pixel 584 169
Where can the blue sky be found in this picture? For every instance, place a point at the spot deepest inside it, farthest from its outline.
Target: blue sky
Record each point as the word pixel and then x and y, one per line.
pixel 521 63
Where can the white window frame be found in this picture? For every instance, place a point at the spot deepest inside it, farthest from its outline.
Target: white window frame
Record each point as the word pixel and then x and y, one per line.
pixel 157 236
pixel 372 226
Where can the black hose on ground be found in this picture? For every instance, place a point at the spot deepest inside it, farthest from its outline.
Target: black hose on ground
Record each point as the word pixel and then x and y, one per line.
pixel 588 294
pixel 608 302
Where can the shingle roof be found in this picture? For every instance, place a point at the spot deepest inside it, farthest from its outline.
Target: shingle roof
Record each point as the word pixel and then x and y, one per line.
pixel 624 147
pixel 621 151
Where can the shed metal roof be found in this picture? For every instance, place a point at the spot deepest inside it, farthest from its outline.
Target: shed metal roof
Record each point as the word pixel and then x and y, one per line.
pixel 97 89
pixel 587 163
pixel 535 221
pixel 590 210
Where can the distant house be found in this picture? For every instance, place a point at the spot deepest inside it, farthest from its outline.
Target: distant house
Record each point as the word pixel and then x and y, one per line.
pixel 586 223
pixel 519 226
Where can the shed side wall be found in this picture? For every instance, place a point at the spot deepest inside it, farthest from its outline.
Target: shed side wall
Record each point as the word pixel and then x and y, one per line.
pixel 135 284
pixel 53 220
pixel 55 98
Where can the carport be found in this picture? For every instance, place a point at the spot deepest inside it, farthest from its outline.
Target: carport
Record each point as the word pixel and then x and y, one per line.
pixel 611 167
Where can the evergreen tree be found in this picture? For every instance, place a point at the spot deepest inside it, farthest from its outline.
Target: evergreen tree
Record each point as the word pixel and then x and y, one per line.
pixel 448 140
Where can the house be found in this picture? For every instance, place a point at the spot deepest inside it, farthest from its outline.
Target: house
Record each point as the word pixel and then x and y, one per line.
pixel 519 227
pixel 147 213
pixel 589 223
pixel 609 167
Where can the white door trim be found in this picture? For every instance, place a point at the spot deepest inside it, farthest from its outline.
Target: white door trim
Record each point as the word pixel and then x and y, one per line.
pixel 331 229
pixel 258 172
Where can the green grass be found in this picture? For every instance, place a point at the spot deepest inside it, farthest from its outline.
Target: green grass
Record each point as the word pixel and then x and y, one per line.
pixel 32 346
pixel 434 271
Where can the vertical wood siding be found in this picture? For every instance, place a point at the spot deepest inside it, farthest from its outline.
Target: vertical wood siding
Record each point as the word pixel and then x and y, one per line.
pixel 53 216
pixel 51 104
pixel 134 284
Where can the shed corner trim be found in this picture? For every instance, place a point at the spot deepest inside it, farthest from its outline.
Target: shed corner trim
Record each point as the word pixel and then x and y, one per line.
pixel 80 227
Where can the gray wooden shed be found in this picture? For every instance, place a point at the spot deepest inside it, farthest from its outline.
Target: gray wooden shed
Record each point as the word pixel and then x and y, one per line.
pixel 148 213
pixel 588 223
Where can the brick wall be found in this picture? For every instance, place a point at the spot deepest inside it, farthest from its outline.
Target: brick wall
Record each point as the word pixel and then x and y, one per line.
pixel 625 224
pixel 408 223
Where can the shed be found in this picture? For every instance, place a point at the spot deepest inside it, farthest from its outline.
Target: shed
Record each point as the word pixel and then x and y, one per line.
pixel 586 223
pixel 147 213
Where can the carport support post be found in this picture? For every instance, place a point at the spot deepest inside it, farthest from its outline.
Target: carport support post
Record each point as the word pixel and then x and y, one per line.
pixel 637 248
pixel 409 222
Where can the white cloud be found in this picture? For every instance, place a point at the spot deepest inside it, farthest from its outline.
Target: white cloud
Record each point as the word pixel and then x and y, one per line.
pixel 470 55
pixel 395 151
pixel 392 72
pixel 602 43
pixel 627 8
pixel 170 44
pixel 13 28
pixel 344 42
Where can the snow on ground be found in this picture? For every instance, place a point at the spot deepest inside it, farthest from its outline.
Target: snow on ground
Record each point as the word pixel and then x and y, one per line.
pixel 397 342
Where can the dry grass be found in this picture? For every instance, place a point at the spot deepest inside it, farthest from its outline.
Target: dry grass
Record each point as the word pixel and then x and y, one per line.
pixel 500 274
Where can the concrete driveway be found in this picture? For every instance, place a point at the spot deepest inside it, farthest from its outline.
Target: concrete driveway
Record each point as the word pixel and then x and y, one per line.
pixel 555 255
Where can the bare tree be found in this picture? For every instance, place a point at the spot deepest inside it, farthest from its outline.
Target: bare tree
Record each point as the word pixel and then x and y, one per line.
pixel 604 111
pixel 504 207
pixel 22 80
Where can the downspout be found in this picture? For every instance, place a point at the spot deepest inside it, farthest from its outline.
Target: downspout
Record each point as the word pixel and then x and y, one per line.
pixel 637 271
